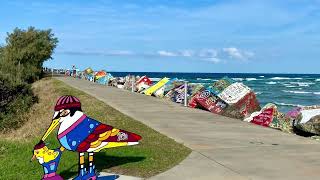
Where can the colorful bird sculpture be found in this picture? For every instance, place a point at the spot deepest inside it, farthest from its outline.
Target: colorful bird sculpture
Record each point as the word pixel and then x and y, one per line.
pixel 49 159
pixel 80 133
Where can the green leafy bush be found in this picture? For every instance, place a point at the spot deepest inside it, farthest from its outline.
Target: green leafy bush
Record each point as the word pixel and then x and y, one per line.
pixel 17 101
pixel 21 60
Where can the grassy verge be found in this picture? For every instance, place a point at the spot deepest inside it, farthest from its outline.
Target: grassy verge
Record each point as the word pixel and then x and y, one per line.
pixel 155 154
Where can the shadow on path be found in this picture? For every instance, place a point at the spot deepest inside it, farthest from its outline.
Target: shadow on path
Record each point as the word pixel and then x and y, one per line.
pixel 103 161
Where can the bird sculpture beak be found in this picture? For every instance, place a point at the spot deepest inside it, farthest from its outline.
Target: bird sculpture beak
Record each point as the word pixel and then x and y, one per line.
pixel 52 126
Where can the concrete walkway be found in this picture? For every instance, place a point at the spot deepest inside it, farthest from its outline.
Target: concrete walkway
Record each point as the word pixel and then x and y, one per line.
pixel 223 148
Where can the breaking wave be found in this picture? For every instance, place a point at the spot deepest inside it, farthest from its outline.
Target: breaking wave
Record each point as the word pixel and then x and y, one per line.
pixel 302 84
pixel 285 78
pixel 297 92
pixel 290 86
pixel 301 92
pixel 280 78
pixel 271 82
pixel 238 79
pixel 207 79
pixel 251 79
pixel 287 104
pixel 318 80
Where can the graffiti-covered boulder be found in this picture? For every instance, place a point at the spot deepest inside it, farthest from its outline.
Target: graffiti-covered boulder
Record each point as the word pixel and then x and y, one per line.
pixel 88 71
pixel 206 100
pixel 177 94
pixel 194 89
pixel 269 116
pixel 129 82
pixel 101 77
pixel 244 107
pixel 88 74
pixel 308 120
pixel 156 86
pixel 228 98
pixel 143 83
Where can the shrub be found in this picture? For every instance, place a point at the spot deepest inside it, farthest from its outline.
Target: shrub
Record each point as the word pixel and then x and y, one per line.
pixel 21 61
pixel 14 102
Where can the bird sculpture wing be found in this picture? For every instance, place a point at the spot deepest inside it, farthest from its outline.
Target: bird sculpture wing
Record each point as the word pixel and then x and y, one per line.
pixel 105 136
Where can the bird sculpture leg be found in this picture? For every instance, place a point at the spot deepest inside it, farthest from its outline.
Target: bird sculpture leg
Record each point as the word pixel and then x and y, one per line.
pixel 82 170
pixel 91 173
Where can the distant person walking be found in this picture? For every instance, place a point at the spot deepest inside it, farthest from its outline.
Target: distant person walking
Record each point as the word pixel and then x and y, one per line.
pixel 74 71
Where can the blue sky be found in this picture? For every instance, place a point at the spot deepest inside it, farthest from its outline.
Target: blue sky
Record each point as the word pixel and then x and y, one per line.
pixel 268 36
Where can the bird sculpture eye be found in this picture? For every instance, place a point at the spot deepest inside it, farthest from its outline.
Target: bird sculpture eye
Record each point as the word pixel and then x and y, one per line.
pixel 64 113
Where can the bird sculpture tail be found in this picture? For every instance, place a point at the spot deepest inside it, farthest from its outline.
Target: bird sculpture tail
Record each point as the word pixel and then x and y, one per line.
pixel 105 136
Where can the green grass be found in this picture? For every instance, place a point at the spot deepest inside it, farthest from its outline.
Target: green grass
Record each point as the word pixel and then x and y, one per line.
pixel 156 152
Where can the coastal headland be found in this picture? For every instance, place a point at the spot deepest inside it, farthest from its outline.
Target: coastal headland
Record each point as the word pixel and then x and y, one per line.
pixel 222 148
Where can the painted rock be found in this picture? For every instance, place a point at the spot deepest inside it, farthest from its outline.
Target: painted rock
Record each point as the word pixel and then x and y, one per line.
pixel 309 120
pixel 269 116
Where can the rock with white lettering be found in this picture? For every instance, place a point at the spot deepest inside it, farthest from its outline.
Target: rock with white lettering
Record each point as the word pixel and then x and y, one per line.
pixel 228 98
pixel 309 120
pixel 269 116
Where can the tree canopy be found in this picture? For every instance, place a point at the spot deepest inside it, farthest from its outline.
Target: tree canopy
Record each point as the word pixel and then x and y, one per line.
pixel 21 60
pixel 25 52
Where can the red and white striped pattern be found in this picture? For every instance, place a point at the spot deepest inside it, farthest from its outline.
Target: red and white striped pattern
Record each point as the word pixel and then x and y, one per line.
pixel 65 102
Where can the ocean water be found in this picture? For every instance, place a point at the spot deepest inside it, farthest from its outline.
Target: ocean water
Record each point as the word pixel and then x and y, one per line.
pixel 285 90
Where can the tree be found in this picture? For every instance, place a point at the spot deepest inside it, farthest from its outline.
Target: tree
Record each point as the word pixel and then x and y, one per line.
pixel 21 60
pixel 25 52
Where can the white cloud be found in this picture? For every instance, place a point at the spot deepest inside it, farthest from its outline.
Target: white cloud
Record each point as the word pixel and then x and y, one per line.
pixel 166 53
pixel 237 54
pixel 208 55
pixel 213 60
pixel 187 53
pixel 120 52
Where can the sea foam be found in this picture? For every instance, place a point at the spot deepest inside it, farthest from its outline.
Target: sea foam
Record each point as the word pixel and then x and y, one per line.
pixel 271 82
pixel 280 78
pixel 302 84
pixel 297 92
pixel 287 104
pixel 251 79
pixel 238 79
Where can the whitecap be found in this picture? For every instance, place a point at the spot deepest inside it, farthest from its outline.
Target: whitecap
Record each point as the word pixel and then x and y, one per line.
pixel 238 79
pixel 317 80
pixel 204 79
pixel 280 78
pixel 257 93
pixel 261 76
pixel 271 82
pixel 297 92
pixel 302 84
pixel 316 93
pixel 251 79
pixel 287 104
